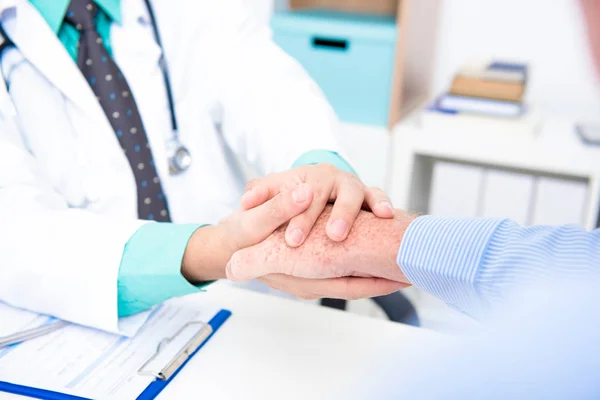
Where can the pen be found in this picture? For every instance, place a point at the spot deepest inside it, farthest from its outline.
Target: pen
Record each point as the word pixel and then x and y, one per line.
pixel 31 333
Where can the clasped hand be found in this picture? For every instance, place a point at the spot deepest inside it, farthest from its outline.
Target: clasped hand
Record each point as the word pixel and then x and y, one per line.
pixel 334 251
pixel 289 236
pixel 364 265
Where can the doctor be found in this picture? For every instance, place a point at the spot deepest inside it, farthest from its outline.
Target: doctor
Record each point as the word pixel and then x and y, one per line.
pixel 98 137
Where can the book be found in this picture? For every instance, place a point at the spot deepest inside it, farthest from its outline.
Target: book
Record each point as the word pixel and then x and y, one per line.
pixel 434 119
pixel 490 89
pixel 474 105
pixel 507 70
pixel 499 71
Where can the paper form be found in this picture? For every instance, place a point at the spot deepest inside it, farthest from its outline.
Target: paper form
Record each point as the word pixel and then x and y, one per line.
pixel 14 320
pixel 90 363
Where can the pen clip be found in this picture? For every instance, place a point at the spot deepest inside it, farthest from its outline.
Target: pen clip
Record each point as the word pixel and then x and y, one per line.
pixel 190 347
pixel 31 333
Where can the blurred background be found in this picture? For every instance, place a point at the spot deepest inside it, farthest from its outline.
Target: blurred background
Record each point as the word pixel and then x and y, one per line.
pixel 464 108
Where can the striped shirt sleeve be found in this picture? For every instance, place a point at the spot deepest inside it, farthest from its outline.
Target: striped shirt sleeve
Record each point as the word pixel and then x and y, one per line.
pixel 474 265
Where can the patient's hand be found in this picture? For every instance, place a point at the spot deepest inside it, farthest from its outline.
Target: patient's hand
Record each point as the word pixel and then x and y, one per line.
pixel 364 265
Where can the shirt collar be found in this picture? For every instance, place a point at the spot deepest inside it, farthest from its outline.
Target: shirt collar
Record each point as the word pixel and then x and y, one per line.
pixel 112 8
pixel 54 11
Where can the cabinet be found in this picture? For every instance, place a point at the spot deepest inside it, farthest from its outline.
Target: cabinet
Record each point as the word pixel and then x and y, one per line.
pixel 507 194
pixel 413 60
pixel 559 201
pixel 455 190
pixel 550 178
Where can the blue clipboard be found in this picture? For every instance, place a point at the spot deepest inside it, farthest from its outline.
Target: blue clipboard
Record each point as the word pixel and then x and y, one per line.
pixel 152 391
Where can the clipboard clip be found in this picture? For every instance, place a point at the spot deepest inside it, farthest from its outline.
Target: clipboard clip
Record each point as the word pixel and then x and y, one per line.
pixel 190 347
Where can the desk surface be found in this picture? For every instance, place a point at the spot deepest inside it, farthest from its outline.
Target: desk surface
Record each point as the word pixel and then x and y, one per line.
pixel 277 348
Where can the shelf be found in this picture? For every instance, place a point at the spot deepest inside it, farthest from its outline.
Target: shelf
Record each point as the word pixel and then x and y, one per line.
pixel 555 152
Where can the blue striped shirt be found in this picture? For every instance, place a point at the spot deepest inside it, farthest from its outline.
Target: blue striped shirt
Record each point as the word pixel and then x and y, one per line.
pixel 539 346
pixel 476 265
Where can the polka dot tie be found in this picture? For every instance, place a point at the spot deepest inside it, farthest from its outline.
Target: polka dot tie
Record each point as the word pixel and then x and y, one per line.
pixel 115 97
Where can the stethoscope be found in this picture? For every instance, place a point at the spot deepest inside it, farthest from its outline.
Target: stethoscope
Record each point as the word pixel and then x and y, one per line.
pixel 179 157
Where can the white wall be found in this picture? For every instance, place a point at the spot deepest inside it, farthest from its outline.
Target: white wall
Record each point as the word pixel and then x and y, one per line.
pixel 262 8
pixel 547 33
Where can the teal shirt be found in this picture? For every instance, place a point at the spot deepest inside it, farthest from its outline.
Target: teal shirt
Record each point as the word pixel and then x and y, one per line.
pixel 150 270
pixel 54 12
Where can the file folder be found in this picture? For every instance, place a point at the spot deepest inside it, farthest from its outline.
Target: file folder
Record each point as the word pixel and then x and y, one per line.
pixel 163 376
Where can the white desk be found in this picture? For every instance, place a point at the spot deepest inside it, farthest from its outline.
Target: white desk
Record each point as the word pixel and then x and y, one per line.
pixel 273 348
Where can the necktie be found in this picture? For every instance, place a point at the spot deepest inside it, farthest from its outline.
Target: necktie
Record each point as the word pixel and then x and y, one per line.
pixel 116 99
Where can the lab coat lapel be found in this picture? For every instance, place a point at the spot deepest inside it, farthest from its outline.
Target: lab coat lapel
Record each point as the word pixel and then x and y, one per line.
pixel 42 48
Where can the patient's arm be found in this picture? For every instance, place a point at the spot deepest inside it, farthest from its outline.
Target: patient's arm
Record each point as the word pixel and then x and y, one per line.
pixel 366 260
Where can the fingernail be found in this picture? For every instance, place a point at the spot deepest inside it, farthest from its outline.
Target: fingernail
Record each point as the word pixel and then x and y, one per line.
pixel 338 228
pixel 300 194
pixel 248 193
pixel 387 205
pixel 231 272
pixel 228 271
pixel 295 237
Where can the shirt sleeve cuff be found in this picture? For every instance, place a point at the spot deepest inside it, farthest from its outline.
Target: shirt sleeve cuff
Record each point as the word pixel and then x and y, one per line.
pixel 443 256
pixel 324 156
pixel 150 270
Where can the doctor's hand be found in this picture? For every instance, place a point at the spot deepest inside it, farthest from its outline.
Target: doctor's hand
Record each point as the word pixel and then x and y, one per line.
pixel 364 265
pixel 330 184
pixel 210 247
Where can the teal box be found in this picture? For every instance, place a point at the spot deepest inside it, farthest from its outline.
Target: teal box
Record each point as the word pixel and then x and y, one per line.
pixel 350 56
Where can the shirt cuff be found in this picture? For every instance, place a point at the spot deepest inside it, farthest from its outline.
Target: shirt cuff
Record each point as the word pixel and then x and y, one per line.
pixel 443 256
pixel 323 156
pixel 150 270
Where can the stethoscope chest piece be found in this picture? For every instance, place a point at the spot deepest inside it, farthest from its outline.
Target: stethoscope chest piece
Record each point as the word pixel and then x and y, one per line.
pixel 180 159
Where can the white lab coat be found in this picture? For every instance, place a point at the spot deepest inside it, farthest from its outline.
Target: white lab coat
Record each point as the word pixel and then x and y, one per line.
pixel 67 194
